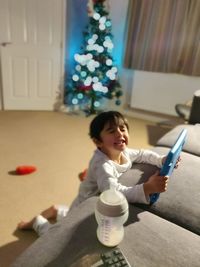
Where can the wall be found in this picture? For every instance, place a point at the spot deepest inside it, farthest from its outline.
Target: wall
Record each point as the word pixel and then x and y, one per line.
pixel 149 91
pixel 160 92
pixel 1 98
pixel 77 20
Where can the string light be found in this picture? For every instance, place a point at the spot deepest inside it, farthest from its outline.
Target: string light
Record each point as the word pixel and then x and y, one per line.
pixel 96 16
pixel 75 77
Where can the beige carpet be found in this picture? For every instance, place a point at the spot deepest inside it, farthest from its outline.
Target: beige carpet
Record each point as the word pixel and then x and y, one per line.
pixel 59 146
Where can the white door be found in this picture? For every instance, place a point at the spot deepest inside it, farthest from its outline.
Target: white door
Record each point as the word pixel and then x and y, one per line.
pixel 32 54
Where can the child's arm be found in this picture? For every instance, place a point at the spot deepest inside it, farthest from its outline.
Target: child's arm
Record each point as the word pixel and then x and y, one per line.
pixel 146 156
pixel 104 173
pixel 137 193
pixel 148 187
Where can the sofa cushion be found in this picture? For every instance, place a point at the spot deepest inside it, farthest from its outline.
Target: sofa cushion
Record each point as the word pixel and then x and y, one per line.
pixel 192 143
pixel 149 241
pixel 180 203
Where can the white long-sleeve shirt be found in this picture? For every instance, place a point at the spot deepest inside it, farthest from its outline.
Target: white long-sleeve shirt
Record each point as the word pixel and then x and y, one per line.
pixel 102 169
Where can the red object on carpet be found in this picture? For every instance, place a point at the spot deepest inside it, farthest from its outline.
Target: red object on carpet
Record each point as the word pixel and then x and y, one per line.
pixel 25 169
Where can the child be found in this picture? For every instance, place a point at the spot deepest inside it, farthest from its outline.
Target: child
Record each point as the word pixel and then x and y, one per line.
pixel 110 133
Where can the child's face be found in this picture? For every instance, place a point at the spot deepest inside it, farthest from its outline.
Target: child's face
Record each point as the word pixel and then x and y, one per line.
pixel 114 138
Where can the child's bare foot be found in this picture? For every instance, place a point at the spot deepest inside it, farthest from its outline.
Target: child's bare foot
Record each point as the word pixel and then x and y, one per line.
pixel 49 213
pixel 25 225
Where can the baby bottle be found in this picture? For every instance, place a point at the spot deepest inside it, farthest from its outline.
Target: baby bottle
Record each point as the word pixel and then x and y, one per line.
pixel 111 213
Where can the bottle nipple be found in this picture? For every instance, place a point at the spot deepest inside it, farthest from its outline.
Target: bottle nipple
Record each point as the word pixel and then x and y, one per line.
pixel 112 196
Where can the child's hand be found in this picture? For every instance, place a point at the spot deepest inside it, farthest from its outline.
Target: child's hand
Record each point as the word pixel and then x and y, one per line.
pixel 155 184
pixel 163 159
pixel 177 162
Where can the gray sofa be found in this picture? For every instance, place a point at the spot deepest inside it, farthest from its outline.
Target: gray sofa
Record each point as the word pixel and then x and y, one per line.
pixel 164 234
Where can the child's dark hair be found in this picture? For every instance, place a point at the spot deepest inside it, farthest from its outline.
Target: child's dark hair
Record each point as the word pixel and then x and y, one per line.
pixel 98 123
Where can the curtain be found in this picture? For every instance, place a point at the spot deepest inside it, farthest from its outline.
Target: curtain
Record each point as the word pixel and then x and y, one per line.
pixel 164 36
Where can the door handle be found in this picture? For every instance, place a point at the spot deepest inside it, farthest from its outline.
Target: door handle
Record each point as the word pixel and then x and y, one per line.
pixel 5 43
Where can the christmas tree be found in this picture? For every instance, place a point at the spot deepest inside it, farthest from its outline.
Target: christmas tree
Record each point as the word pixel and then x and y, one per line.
pixel 95 78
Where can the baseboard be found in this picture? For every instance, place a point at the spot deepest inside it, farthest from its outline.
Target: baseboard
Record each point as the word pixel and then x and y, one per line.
pixel 168 120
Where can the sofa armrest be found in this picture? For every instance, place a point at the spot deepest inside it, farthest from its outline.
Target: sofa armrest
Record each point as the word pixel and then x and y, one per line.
pixel 180 203
pixel 192 144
